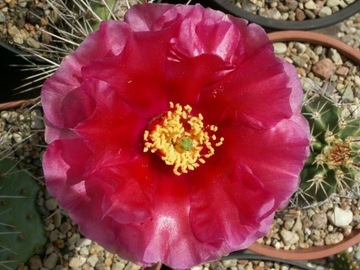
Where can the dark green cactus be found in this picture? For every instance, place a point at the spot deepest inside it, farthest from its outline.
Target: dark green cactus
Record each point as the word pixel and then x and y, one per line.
pixel 102 10
pixel 345 261
pixel 333 165
pixel 21 229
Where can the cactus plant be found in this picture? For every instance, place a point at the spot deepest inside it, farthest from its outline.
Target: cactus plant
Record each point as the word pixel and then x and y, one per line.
pixel 345 261
pixel 21 229
pixel 333 165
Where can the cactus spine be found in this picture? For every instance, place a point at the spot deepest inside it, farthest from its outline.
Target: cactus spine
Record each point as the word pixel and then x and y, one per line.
pixel 333 165
pixel 21 229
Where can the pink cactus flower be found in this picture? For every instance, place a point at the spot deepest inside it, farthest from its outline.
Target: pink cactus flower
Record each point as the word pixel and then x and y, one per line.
pixel 174 135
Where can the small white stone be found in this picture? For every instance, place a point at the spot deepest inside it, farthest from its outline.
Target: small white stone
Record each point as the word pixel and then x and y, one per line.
pixel 83 242
pixel 332 3
pixel 289 237
pixel 324 12
pixel 341 218
pixel 300 47
pixel 84 251
pixel 17 137
pixel 333 238
pixel 279 47
pixel 310 5
pixel 357 80
pixel 92 260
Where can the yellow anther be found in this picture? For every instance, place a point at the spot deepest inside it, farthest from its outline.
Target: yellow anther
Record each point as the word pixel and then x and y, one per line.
pixel 181 140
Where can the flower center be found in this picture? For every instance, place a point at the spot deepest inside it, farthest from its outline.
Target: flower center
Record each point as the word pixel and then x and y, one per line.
pixel 181 139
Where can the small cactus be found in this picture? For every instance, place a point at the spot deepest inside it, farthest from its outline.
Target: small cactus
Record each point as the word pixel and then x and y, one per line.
pixel 21 229
pixel 333 165
pixel 103 10
pixel 345 261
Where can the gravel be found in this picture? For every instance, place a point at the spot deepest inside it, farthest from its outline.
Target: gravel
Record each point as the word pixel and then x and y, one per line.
pixel 293 10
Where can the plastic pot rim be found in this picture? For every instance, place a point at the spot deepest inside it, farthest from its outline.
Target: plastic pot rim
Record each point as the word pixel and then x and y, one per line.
pixel 310 24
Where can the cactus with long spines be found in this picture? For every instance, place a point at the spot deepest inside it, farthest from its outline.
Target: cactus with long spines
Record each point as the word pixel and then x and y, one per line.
pixel 333 165
pixel 21 229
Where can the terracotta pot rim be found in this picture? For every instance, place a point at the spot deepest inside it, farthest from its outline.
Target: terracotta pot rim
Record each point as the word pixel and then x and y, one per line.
pixel 312 253
pixel 311 24
pixel 16 104
pixel 319 39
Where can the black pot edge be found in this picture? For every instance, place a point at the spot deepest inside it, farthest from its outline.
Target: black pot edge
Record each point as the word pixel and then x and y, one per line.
pixel 228 7
pixel 14 74
pixel 245 255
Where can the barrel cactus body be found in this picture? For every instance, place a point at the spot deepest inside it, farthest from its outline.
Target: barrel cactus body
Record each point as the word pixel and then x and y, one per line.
pixel 21 229
pixel 333 165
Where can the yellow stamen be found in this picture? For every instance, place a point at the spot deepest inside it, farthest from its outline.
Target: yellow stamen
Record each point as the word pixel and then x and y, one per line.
pixel 181 139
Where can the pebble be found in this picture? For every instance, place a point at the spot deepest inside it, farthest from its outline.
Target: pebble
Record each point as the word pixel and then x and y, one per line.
pixel 324 68
pixel 342 71
pixel 118 266
pixel 288 237
pixel 33 43
pixel 299 61
pixel 319 220
pixel 35 263
pixel 51 261
pixel 93 259
pixel 324 12
pixel 332 3
pixel 57 219
pixel 17 137
pixel 84 251
pixel 335 56
pixel 333 238
pixel 357 80
pixel 291 9
pixel 310 5
pixel 51 204
pixel 83 242
pixel 2 17
pixel 37 121
pixel 279 47
pixel 300 47
pixel 65 227
pixel 74 262
pixel 340 217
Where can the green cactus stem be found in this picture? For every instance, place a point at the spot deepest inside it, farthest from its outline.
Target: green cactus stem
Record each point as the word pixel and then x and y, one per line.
pixel 345 261
pixel 21 229
pixel 333 165
pixel 102 9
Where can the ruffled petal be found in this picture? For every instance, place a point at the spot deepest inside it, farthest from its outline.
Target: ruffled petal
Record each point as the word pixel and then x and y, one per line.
pixel 245 205
pixel 61 91
pixel 187 77
pixel 276 156
pixel 248 94
pixel 124 126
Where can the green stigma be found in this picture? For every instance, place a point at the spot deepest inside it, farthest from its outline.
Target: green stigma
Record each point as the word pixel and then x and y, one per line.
pixel 186 144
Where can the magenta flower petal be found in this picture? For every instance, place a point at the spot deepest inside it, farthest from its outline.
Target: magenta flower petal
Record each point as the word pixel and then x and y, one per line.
pixel 62 88
pixel 244 205
pixel 275 157
pixel 240 94
pixel 112 114
pixel 153 121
